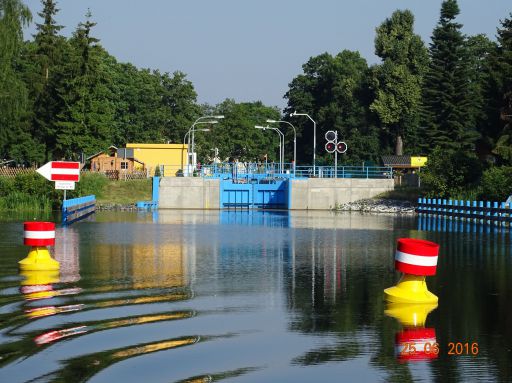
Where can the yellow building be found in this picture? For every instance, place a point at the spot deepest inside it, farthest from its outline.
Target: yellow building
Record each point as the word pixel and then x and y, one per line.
pixel 171 157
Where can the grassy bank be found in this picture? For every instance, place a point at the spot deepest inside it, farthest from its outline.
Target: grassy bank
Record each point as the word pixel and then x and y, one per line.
pixel 32 193
pixel 125 192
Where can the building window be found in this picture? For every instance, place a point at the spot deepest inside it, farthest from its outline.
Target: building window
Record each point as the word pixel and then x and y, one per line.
pixel 124 165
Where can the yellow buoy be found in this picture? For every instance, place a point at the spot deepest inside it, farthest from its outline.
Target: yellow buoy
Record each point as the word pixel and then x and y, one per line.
pixel 39 235
pixel 416 259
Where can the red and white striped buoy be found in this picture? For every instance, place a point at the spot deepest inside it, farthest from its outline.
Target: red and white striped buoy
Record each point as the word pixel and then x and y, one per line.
pixel 416 259
pixel 416 344
pixel 39 235
pixel 416 256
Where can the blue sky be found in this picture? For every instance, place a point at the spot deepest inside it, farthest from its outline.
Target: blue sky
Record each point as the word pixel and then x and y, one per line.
pixel 250 50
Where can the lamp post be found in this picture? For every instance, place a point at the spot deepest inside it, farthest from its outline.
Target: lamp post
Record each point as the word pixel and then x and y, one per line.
pixel 281 144
pixel 188 134
pixel 314 137
pixel 191 136
pixel 294 140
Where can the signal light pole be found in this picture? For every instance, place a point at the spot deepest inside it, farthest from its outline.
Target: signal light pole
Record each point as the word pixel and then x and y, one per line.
pixel 335 146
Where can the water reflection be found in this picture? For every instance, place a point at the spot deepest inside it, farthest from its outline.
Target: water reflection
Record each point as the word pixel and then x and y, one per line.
pixel 414 342
pixel 282 296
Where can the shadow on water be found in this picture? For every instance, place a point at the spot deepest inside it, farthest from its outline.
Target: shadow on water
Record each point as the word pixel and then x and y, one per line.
pixel 193 296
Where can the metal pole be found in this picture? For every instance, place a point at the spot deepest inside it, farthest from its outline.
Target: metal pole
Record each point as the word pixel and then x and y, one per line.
pixel 336 157
pixel 314 145
pixel 314 137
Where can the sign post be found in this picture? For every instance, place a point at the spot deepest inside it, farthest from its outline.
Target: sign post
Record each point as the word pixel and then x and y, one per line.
pixel 64 173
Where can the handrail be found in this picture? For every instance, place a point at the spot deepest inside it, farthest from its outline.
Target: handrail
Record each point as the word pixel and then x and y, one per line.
pixel 271 169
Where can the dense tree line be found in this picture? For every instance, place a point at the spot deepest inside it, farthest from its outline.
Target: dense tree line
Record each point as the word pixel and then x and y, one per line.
pixel 451 101
pixel 60 97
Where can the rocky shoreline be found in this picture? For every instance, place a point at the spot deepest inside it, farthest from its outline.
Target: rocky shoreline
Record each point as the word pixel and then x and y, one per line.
pixel 379 206
pixel 365 206
pixel 116 206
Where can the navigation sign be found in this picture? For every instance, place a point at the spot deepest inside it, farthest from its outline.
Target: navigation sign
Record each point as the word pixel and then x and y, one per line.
pixel 61 171
pixel 64 185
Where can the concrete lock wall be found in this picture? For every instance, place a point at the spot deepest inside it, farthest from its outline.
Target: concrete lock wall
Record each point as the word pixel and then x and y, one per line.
pixel 326 193
pixel 311 193
pixel 189 193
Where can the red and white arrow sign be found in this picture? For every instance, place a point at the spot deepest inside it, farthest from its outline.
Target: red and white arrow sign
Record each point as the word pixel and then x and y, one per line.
pixel 61 171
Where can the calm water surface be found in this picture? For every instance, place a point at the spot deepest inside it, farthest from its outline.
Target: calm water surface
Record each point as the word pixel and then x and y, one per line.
pixel 196 296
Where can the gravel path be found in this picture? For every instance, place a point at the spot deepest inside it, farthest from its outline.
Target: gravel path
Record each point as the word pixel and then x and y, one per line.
pixel 379 206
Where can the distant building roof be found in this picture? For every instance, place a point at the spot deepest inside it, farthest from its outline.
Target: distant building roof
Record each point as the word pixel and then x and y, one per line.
pixel 397 161
pixel 404 162
pixel 103 151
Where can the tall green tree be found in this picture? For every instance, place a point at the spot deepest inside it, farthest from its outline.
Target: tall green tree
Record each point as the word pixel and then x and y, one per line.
pixel 16 142
pixel 49 49
pixel 501 100
pixel 479 50
pixel 84 125
pixel 398 80
pixel 334 91
pixel 449 118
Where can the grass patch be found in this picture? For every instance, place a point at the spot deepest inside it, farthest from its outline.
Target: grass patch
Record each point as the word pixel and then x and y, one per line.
pixel 402 193
pixel 24 202
pixel 125 192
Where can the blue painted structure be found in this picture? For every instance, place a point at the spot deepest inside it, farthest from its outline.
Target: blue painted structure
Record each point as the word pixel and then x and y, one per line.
pixel 471 211
pixel 76 209
pixel 155 194
pixel 255 194
pixel 271 170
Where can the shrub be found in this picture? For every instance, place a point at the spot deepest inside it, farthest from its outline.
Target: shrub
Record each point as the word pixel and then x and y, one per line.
pixel 496 183
pixel 450 173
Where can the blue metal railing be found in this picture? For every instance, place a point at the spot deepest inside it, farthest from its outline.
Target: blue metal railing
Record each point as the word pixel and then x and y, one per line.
pixel 470 211
pixel 273 170
pixel 76 209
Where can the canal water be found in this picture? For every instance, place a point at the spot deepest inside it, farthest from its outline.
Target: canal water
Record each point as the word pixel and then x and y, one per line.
pixel 199 296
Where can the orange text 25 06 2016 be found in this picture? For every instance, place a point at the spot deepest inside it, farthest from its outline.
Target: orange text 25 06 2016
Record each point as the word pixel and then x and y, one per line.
pixel 428 348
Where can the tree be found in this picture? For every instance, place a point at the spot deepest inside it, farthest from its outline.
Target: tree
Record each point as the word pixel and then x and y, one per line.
pixel 448 116
pixel 84 126
pixel 236 137
pixel 44 79
pixel 15 139
pixel 479 50
pixel 334 91
pixel 399 79
pixel 501 88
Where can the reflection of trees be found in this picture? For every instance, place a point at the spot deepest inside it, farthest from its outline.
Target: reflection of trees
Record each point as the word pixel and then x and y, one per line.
pixel 342 294
pixel 475 290
pixel 473 284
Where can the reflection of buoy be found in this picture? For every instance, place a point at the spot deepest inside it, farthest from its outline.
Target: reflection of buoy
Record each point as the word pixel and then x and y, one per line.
pixel 415 258
pixel 410 315
pixel 414 344
pixel 39 284
pixel 39 235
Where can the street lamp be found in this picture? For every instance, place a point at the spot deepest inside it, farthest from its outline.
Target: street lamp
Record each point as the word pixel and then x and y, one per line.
pixel 314 137
pixel 191 136
pixel 281 145
pixel 294 140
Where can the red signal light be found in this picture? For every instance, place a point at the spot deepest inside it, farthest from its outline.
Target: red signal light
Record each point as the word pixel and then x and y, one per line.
pixel 330 147
pixel 341 147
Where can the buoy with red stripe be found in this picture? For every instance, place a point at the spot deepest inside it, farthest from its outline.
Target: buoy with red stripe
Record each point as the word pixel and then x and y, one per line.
pixel 39 235
pixel 416 259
